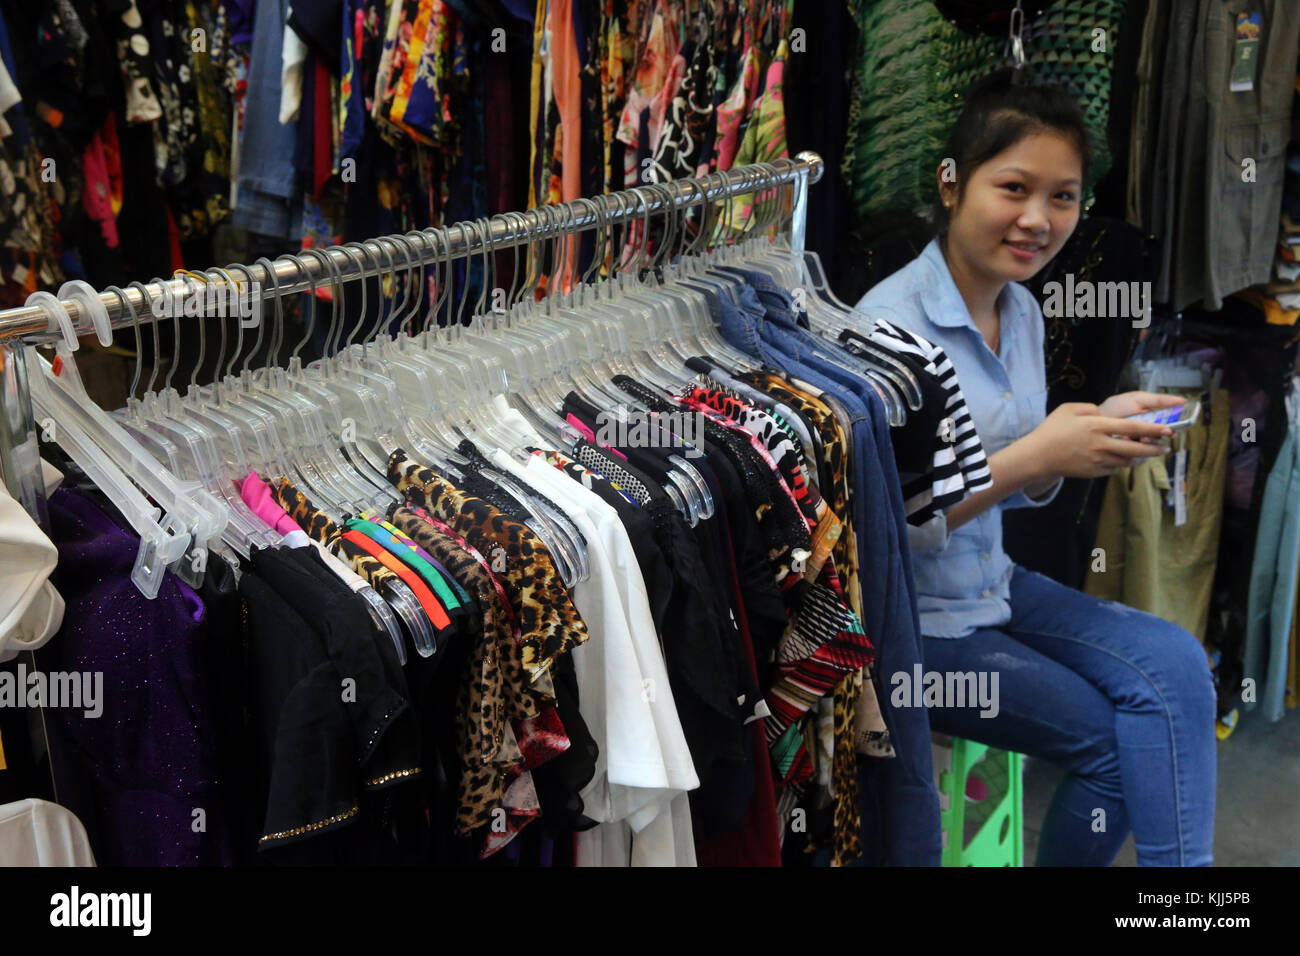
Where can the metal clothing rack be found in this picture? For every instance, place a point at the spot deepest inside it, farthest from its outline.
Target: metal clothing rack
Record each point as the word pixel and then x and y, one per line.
pixel 28 325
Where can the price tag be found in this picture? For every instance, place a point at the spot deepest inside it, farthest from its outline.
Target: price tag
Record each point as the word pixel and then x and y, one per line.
pixel 1179 489
pixel 1245 53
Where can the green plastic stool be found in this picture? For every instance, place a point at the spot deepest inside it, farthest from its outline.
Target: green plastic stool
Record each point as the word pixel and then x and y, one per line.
pixel 996 822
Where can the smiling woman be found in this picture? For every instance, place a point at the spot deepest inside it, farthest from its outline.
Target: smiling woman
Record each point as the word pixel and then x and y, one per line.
pixel 1123 700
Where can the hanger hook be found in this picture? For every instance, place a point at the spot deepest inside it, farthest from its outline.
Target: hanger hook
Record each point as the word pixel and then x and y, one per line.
pixel 381 245
pixel 654 190
pixel 724 208
pixel 590 206
pixel 338 296
pixel 441 238
pixel 746 178
pixel 763 197
pixel 414 270
pixel 485 225
pixel 776 202
pixel 561 246
pixel 559 249
pixel 420 269
pixel 311 298
pixel 758 205
pixel 135 322
pixel 779 203
pixel 273 345
pixel 203 332
pixel 410 262
pixel 643 247
pixel 623 203
pixel 612 204
pixel 359 252
pixel 144 298
pixel 551 220
pixel 470 228
pixel 398 313
pixel 681 207
pixel 254 298
pixel 232 286
pixel 519 222
pixel 670 224
pixel 479 235
pixel 349 250
pixel 730 181
pixel 177 315
pixel 533 229
pixel 701 190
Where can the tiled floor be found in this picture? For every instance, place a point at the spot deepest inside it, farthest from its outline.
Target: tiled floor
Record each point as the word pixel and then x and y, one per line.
pixel 1257 816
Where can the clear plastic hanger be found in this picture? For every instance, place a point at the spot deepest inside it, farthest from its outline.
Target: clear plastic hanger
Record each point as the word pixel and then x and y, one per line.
pixel 253 400
pixel 886 375
pixel 397 598
pixel 132 416
pixel 693 499
pixel 243 530
pixel 370 400
pixel 667 372
pixel 827 316
pixel 561 536
pixel 289 416
pixel 108 454
pixel 202 454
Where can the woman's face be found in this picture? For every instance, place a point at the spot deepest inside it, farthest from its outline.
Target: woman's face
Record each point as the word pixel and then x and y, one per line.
pixel 1018 208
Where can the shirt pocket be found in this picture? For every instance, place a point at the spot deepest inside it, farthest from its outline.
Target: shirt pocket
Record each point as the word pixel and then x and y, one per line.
pixel 953 573
pixel 1261 145
pixel 1031 406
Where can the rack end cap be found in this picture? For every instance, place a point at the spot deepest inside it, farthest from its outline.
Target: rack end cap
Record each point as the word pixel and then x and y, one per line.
pixel 815 161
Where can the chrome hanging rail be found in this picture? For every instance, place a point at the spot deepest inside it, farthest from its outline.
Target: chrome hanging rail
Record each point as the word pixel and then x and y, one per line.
pixel 30 323
pixel 27 325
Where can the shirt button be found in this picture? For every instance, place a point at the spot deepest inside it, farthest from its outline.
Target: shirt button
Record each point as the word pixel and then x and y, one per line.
pixel 984 556
pixel 984 593
pixel 1007 396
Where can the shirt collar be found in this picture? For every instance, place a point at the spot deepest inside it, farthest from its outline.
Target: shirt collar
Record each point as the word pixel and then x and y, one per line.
pixel 943 303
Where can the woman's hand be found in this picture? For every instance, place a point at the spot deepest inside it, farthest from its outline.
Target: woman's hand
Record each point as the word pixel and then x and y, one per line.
pixel 1076 440
pixel 1135 403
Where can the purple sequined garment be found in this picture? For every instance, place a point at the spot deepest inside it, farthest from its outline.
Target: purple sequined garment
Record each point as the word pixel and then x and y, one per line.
pixel 136 774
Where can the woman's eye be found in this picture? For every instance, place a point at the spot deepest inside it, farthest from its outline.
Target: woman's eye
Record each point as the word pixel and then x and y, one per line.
pixel 1066 197
pixel 1014 187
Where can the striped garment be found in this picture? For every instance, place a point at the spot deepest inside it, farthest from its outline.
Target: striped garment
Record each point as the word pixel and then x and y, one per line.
pixel 824 641
pixel 959 466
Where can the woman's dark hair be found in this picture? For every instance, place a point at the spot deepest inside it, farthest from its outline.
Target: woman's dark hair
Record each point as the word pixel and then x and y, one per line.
pixel 1002 109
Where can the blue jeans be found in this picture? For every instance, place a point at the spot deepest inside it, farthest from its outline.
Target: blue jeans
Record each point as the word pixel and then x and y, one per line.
pixel 1119 698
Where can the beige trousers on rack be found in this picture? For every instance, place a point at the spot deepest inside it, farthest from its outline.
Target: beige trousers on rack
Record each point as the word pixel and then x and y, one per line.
pixel 1150 563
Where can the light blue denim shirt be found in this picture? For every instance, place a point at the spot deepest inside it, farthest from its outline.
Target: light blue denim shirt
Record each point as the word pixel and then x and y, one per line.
pixel 963 577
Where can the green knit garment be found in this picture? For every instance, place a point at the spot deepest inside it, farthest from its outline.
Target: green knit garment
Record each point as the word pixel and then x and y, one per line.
pixel 914 68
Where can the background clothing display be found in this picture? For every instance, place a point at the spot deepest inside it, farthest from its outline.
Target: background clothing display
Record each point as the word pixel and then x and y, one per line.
pixel 1215 207
pixel 1158 552
pixel 1269 653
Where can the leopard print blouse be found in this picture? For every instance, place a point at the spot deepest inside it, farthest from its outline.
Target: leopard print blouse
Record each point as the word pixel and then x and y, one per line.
pixel 549 623
pixel 493 691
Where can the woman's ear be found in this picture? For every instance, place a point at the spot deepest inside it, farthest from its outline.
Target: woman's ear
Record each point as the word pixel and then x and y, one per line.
pixel 947 186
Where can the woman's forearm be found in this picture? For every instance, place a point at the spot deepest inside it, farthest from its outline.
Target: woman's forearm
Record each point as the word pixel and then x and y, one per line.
pixel 1018 467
